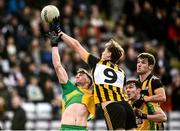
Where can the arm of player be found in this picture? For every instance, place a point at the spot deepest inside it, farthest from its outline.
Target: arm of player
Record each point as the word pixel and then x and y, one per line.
pixel 159 96
pixel 74 44
pixel 158 116
pixel 59 69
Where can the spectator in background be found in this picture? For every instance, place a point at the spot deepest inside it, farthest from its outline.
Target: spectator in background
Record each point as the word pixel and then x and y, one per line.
pixel 174 34
pixel 34 92
pixel 48 91
pixel 21 88
pixel 4 92
pixel 16 6
pixel 3 117
pixel 19 118
pixel 176 89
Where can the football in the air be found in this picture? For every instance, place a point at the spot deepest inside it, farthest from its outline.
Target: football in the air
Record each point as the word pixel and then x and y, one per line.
pixel 49 12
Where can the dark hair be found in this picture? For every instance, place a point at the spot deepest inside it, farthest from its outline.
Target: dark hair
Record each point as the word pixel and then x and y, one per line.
pixel 136 82
pixel 150 57
pixel 116 50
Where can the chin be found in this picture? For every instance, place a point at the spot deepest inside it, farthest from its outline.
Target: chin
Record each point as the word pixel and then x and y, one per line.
pixel 139 72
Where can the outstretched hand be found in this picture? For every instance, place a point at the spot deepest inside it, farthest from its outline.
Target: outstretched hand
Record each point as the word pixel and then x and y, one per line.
pixel 55 25
pixel 53 36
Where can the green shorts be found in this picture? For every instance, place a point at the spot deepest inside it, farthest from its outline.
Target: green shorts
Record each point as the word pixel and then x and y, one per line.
pixel 72 127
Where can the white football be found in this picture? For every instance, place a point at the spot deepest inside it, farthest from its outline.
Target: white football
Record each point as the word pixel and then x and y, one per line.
pixel 49 12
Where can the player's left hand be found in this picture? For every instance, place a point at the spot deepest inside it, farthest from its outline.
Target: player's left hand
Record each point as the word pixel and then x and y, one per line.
pixel 54 38
pixel 140 114
pixel 55 25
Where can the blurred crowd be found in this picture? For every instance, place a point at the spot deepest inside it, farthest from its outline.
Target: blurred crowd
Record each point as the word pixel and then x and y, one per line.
pixel 138 25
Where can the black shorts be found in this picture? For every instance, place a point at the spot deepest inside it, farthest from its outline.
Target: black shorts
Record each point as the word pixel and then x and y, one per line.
pixel 119 115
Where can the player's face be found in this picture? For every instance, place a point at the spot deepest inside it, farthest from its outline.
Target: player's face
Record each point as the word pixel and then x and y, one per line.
pixel 106 54
pixel 131 91
pixel 81 79
pixel 142 66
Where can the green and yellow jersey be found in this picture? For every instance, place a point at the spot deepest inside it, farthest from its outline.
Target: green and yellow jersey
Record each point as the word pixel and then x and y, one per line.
pixel 74 94
pixel 144 124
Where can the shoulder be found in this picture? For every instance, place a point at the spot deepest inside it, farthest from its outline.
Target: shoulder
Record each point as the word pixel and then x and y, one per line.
pixel 156 82
pixel 68 84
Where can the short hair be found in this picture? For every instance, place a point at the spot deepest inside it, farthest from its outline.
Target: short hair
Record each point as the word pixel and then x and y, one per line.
pixel 81 70
pixel 150 57
pixel 116 50
pixel 136 82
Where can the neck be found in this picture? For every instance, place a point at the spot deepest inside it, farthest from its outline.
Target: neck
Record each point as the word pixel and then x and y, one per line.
pixel 144 76
pixel 137 97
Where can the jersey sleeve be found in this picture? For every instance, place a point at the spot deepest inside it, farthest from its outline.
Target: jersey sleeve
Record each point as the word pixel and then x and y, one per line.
pixel 156 84
pixel 92 60
pixel 68 87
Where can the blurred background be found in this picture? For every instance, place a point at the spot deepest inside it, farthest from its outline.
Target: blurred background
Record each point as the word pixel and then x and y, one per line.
pixel 30 95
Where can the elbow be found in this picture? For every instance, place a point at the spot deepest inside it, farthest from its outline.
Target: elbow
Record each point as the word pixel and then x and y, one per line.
pixel 163 98
pixel 164 118
pixel 57 66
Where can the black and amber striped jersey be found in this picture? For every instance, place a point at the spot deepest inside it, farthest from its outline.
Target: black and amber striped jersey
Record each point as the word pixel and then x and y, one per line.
pixel 150 85
pixel 109 80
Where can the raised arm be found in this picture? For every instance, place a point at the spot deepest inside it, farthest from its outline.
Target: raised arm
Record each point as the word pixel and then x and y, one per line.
pixel 71 42
pixel 74 44
pixel 60 71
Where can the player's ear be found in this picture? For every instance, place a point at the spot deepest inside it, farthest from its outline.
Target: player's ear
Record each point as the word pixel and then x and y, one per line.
pixel 139 90
pixel 151 67
pixel 109 55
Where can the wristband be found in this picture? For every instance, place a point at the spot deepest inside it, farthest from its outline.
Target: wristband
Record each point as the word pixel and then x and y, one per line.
pixel 144 116
pixel 60 36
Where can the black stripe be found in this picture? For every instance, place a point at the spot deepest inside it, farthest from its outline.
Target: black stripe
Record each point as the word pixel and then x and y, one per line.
pixel 98 93
pixel 104 62
pixel 119 92
pixel 111 65
pixel 114 94
pixel 105 92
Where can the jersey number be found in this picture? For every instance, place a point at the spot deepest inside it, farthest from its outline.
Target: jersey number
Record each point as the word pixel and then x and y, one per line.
pixel 111 74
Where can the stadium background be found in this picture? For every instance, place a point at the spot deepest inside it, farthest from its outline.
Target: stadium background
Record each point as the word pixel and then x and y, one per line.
pixel 25 53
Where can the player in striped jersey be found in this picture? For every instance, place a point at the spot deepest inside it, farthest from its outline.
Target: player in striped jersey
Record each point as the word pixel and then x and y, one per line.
pixel 149 114
pixel 108 78
pixel 151 86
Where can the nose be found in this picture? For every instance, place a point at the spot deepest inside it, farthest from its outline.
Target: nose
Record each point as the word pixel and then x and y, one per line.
pixel 127 90
pixel 139 65
pixel 77 76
